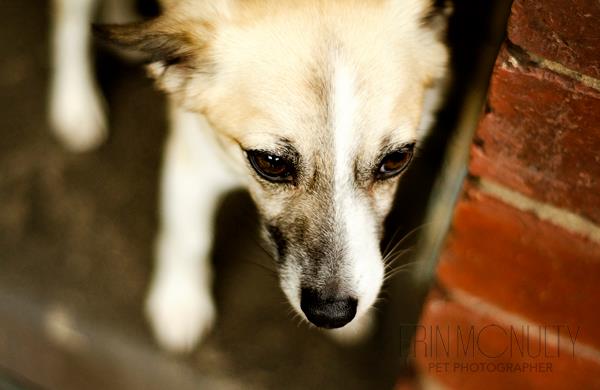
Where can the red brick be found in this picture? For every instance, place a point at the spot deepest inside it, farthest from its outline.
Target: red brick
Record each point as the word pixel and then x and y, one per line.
pixel 406 384
pixel 565 31
pixel 523 265
pixel 541 136
pixel 564 369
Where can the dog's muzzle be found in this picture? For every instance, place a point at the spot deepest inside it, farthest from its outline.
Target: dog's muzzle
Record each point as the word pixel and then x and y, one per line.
pixel 327 311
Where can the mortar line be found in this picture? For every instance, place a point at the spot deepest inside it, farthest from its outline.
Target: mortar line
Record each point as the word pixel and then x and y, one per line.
pixel 544 211
pixel 555 67
pixel 482 306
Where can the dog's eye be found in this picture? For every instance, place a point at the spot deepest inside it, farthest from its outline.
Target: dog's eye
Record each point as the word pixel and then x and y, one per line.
pixel 394 163
pixel 271 167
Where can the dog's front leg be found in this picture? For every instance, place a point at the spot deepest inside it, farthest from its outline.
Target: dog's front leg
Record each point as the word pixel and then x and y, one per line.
pixel 179 305
pixel 76 108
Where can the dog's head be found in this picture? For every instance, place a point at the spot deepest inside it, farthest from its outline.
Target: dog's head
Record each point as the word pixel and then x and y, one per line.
pixel 321 103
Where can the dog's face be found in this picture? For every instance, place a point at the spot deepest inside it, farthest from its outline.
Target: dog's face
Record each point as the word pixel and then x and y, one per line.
pixel 320 103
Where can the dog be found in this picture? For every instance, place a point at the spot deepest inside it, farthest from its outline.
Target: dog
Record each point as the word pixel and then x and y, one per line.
pixel 314 106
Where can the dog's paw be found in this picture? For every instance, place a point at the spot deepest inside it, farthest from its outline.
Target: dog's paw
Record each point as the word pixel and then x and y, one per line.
pixel 356 331
pixel 180 312
pixel 77 116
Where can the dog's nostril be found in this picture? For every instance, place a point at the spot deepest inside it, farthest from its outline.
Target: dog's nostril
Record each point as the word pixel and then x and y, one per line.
pixel 327 312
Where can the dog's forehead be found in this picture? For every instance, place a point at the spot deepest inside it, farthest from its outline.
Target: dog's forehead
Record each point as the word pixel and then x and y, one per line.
pixel 316 113
pixel 297 75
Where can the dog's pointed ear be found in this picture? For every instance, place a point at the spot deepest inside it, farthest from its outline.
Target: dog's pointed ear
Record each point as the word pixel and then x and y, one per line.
pixel 432 14
pixel 175 51
pixel 437 17
pixel 146 37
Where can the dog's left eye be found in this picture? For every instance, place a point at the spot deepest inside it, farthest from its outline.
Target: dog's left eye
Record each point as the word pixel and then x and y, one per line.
pixel 271 167
pixel 394 163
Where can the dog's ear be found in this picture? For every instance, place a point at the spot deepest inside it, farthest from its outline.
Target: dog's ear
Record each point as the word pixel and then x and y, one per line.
pixel 176 51
pixel 436 18
pixel 427 20
pixel 147 37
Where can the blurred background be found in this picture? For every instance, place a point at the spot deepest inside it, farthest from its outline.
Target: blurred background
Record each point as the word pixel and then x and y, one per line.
pixel 76 233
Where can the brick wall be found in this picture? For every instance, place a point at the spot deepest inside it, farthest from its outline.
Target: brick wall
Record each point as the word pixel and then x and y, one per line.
pixel 518 297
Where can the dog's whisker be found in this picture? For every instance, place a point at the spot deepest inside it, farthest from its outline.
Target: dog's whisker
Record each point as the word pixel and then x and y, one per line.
pixel 406 236
pixel 270 272
pixel 396 247
pixel 389 256
pixel 398 260
pixel 269 256
pixel 267 267
pixel 396 266
pixel 403 268
pixel 391 273
pixel 391 242
pixel 260 243
pixel 398 230
pixel 298 319
pixel 394 257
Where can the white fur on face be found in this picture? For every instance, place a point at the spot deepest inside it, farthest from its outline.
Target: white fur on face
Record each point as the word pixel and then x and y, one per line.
pixel 363 266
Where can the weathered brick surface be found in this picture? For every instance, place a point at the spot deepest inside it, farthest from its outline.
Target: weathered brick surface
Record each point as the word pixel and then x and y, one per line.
pixel 529 278
pixel 541 137
pixel 565 31
pixel 523 265
pixel 537 361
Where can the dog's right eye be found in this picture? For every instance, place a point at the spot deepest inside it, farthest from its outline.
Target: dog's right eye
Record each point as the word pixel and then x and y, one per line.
pixel 394 163
pixel 276 169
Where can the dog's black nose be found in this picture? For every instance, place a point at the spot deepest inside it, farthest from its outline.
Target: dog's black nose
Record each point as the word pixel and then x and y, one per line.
pixel 327 311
